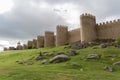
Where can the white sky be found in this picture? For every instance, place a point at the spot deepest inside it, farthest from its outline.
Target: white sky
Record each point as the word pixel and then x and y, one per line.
pixel 5 5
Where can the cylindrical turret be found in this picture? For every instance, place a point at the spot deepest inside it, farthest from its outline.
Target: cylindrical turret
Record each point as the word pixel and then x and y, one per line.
pixel 19 46
pixel 49 39
pixel 30 44
pixel 61 35
pixel 34 45
pixel 24 46
pixel 88 29
pixel 40 41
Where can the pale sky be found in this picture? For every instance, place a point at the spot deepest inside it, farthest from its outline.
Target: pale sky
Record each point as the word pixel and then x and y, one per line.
pixel 21 20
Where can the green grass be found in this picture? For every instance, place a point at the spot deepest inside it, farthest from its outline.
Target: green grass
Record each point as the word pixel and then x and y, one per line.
pixel 88 70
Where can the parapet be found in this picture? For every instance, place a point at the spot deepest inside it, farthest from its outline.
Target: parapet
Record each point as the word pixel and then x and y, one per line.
pixel 87 15
pixel 38 37
pixel 48 32
pixel 62 28
pixel 108 22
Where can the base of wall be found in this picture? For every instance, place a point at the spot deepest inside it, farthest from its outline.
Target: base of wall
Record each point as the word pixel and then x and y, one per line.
pixel 104 40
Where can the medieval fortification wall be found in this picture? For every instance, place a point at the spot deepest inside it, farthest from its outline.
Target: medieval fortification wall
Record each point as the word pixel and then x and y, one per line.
pixel 88 31
pixel 74 36
pixel 108 30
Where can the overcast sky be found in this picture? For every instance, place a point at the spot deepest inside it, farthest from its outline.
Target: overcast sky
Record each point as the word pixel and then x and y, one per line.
pixel 21 20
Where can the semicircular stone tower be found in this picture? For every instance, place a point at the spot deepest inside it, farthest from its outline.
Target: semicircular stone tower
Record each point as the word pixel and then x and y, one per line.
pixel 61 35
pixel 40 41
pixel 49 39
pixel 88 27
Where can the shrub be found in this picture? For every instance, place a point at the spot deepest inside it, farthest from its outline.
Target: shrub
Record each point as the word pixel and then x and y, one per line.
pixel 118 40
pixel 29 47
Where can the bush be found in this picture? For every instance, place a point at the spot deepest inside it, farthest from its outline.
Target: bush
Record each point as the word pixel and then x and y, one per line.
pixel 29 47
pixel 118 40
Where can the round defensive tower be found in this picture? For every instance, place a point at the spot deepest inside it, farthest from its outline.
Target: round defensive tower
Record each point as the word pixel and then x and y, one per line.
pixel 34 45
pixel 24 46
pixel 40 41
pixel 61 35
pixel 88 27
pixel 30 46
pixel 49 39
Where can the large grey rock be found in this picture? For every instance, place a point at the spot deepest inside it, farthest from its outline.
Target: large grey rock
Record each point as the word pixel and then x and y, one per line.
pixel 92 43
pixel 116 44
pixel 79 45
pixel 103 45
pixel 44 62
pixel 72 52
pixel 74 64
pixel 93 56
pixel 117 63
pixel 21 62
pixel 30 63
pixel 40 57
pixel 108 68
pixel 59 53
pixel 59 58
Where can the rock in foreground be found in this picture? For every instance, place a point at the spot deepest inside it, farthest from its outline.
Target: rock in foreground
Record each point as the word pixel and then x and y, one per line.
pixel 93 56
pixel 59 58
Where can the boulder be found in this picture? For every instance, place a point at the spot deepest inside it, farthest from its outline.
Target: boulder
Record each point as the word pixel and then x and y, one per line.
pixel 72 52
pixel 40 57
pixel 59 53
pixel 93 56
pixel 30 63
pixel 44 62
pixel 108 68
pixel 117 63
pixel 21 62
pixel 116 44
pixel 92 43
pixel 74 64
pixel 59 58
pixel 103 45
pixel 79 45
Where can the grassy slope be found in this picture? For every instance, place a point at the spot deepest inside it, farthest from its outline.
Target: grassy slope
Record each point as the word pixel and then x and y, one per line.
pixel 88 70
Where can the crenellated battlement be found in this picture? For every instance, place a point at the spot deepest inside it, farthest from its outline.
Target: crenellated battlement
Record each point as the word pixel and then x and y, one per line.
pixel 40 36
pixel 108 22
pixel 87 15
pixel 62 28
pixel 49 32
